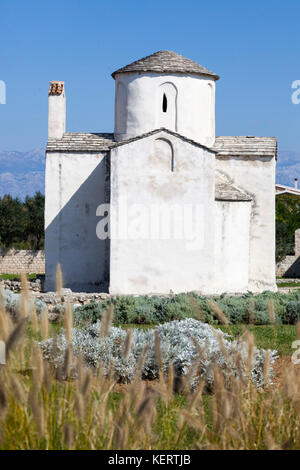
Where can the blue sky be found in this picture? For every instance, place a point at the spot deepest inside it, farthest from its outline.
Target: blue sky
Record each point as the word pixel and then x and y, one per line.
pixel 253 46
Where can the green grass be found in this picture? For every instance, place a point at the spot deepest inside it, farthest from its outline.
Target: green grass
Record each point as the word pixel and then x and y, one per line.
pixel 17 277
pixel 288 284
pixel 279 337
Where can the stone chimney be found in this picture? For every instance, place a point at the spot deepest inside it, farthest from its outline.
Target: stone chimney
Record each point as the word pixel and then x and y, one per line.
pixel 296 183
pixel 57 110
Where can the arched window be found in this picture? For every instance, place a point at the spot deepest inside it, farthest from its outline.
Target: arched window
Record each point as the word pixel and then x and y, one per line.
pixel 167 102
pixel 121 108
pixel 163 155
pixel 164 104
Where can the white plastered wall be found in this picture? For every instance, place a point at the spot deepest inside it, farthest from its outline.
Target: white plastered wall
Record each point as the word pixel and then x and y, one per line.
pixel 57 115
pixel 256 175
pixel 141 173
pixel 75 185
pixel 231 260
pixel 190 110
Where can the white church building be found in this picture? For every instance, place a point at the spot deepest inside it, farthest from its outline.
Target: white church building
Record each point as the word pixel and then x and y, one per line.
pixel 161 204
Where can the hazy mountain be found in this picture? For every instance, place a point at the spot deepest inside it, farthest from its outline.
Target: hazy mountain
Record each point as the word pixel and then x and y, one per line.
pixel 22 173
pixel 288 167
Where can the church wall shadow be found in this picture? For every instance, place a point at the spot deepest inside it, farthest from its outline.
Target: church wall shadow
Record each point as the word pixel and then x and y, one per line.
pixel 294 269
pixel 71 240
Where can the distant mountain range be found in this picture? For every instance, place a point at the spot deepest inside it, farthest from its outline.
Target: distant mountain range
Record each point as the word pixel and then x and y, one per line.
pixel 288 167
pixel 22 173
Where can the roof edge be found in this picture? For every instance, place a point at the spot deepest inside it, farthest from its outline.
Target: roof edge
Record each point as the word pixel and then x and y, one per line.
pixel 156 131
pixel 245 146
pixel 212 76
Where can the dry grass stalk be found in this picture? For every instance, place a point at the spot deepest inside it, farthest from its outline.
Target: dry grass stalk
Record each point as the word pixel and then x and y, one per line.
pixel 218 313
pixel 5 325
pixel 106 321
pixel 68 435
pixel 37 367
pixel 266 368
pixel 24 285
pixel 271 310
pixel 88 412
pixel 158 357
pixel 68 320
pixel 251 312
pixel 37 411
pixel 249 337
pixel 127 343
pixel 298 329
pixel 44 325
pixel 196 309
pixel 67 363
pixel 15 336
pixel 33 318
pixel 59 280
pixel 2 301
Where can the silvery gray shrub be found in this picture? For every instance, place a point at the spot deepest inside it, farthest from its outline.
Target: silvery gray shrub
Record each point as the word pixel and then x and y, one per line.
pixel 178 347
pixel 12 302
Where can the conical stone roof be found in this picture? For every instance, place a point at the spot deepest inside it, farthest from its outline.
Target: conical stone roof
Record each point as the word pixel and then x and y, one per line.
pixel 166 62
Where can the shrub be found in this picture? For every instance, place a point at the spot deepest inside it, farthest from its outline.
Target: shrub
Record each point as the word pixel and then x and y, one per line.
pixel 177 346
pixel 156 310
pixel 293 312
pixel 12 303
pixel 89 313
pixel 139 310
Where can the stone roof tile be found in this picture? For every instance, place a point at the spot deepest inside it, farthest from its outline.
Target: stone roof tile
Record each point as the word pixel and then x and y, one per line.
pixel 245 146
pixel 166 62
pixel 223 147
pixel 81 142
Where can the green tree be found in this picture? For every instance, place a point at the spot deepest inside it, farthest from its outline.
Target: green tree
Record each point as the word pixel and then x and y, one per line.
pixel 22 223
pixel 35 207
pixel 12 221
pixel 287 221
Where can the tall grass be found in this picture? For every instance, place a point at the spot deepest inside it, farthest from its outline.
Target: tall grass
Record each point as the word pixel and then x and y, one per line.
pixel 41 410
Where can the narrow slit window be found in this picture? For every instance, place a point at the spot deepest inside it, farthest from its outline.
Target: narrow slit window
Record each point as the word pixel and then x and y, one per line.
pixel 164 103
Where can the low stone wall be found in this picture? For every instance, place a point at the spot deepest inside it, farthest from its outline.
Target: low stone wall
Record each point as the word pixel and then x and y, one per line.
pixel 15 286
pixel 52 299
pixel 22 261
pixel 289 266
pixel 82 298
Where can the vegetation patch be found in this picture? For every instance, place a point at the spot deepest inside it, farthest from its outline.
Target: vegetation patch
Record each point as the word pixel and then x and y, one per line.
pixel 191 347
pixel 262 309
pixel 16 305
pixel 288 284
pixel 46 407
pixel 22 223
pixel 17 277
pixel 287 221
pixel 279 337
